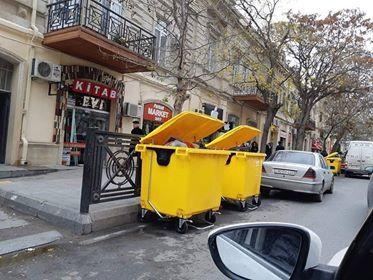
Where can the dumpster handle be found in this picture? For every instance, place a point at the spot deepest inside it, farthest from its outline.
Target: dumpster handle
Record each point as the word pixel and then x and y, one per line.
pixel 139 148
pixel 229 158
pixel 181 152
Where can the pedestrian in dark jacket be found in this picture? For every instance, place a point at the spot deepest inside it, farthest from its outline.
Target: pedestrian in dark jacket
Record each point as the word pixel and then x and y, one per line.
pixel 324 153
pixel 136 128
pixel 254 147
pixel 280 146
pixel 268 150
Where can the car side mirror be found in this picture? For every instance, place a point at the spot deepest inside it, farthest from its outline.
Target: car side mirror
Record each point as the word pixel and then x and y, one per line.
pixel 264 251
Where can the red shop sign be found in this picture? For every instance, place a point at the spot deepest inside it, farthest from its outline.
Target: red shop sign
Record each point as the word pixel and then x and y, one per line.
pixel 94 89
pixel 157 112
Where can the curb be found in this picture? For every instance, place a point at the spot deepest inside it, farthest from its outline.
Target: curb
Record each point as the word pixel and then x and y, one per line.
pixel 62 217
pixel 80 224
pixel 24 246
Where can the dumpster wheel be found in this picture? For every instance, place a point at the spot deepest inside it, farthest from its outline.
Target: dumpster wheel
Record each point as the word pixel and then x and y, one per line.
pixel 145 216
pixel 181 226
pixel 210 217
pixel 243 205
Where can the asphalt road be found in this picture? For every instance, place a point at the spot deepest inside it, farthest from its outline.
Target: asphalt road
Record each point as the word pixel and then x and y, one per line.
pixel 157 252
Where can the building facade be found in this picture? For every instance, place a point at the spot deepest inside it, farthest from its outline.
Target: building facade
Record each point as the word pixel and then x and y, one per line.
pixel 69 65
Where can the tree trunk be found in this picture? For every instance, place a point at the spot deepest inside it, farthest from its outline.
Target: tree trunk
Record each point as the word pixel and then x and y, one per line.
pixel 301 135
pixel 301 130
pixel 180 97
pixel 271 113
pixel 336 146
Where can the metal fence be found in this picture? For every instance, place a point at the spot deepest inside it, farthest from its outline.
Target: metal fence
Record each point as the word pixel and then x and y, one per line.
pixel 112 169
pixel 101 19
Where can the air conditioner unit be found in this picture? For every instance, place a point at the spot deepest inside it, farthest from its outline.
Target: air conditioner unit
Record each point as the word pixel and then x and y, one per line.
pixel 130 110
pixel 46 70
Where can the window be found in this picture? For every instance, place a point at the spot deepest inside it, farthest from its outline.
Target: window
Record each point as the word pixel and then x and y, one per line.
pixel 161 42
pixel 212 58
pixel 293 157
pixel 323 163
pixel 6 70
pixel 233 121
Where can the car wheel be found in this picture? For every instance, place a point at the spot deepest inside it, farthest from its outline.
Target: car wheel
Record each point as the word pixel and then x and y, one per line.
pixel 331 189
pixel 318 197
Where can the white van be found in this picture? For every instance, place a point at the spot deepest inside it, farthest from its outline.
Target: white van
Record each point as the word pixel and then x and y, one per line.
pixel 359 158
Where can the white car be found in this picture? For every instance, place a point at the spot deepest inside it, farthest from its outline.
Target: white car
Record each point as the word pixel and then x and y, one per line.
pixel 297 171
pixel 280 251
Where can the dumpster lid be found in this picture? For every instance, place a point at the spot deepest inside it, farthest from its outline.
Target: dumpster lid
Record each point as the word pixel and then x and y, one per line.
pixel 332 155
pixel 234 137
pixel 186 126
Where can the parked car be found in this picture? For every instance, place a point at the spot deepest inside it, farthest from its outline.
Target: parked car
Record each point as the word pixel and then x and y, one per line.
pixel 359 159
pixel 274 251
pixel 370 193
pixel 297 171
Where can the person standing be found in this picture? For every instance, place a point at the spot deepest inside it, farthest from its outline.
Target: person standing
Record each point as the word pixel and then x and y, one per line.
pixel 268 150
pixel 254 147
pixel 324 153
pixel 136 128
pixel 280 146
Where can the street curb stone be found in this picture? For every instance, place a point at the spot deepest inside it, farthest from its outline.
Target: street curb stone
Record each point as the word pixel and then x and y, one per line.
pixel 28 242
pixel 73 220
pixel 62 217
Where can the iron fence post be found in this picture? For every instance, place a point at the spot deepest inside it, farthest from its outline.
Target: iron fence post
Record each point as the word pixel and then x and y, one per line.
pixel 85 198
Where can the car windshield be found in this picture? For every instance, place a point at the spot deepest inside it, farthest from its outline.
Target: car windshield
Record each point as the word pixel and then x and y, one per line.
pixel 293 157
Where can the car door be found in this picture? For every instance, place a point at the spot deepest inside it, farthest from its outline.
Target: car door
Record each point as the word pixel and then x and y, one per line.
pixel 367 156
pixel 353 157
pixel 326 171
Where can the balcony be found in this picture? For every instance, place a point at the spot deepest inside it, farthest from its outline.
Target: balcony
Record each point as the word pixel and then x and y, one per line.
pixel 87 29
pixel 251 97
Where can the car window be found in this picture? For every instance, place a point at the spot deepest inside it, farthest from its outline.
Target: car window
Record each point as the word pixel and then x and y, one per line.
pixel 323 163
pixel 276 246
pixel 293 157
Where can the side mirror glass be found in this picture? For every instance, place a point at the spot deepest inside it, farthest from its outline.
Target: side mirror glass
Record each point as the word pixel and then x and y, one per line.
pixel 260 252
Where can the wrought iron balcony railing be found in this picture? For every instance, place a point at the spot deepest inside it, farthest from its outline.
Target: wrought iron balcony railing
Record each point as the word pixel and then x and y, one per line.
pixel 101 19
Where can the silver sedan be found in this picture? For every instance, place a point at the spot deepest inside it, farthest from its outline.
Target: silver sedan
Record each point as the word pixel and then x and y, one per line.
pixel 297 171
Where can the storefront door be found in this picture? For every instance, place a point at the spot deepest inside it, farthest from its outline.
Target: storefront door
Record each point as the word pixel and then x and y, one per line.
pixel 4 119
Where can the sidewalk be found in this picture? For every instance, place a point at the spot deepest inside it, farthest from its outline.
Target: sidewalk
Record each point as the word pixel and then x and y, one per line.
pixel 55 197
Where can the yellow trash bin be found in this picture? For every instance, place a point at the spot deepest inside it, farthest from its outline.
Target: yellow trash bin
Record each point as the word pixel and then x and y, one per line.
pixel 334 162
pixel 242 172
pixel 181 181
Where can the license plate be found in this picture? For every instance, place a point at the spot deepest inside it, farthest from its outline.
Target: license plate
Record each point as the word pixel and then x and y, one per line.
pixel 285 172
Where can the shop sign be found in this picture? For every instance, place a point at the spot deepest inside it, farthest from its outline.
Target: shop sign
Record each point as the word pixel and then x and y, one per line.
pixel 92 103
pixel 94 89
pixel 157 112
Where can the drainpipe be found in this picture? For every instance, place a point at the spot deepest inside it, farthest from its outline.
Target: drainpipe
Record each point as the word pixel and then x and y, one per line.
pixel 26 100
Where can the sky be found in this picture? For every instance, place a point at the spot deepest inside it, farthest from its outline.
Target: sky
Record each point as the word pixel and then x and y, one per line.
pixel 322 7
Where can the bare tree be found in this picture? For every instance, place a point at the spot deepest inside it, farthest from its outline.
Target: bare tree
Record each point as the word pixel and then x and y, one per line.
pixel 190 56
pixel 340 111
pixel 265 56
pixel 328 57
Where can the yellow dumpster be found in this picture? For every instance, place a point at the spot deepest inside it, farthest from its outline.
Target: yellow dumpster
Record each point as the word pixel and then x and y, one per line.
pixel 181 181
pixel 242 172
pixel 334 162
